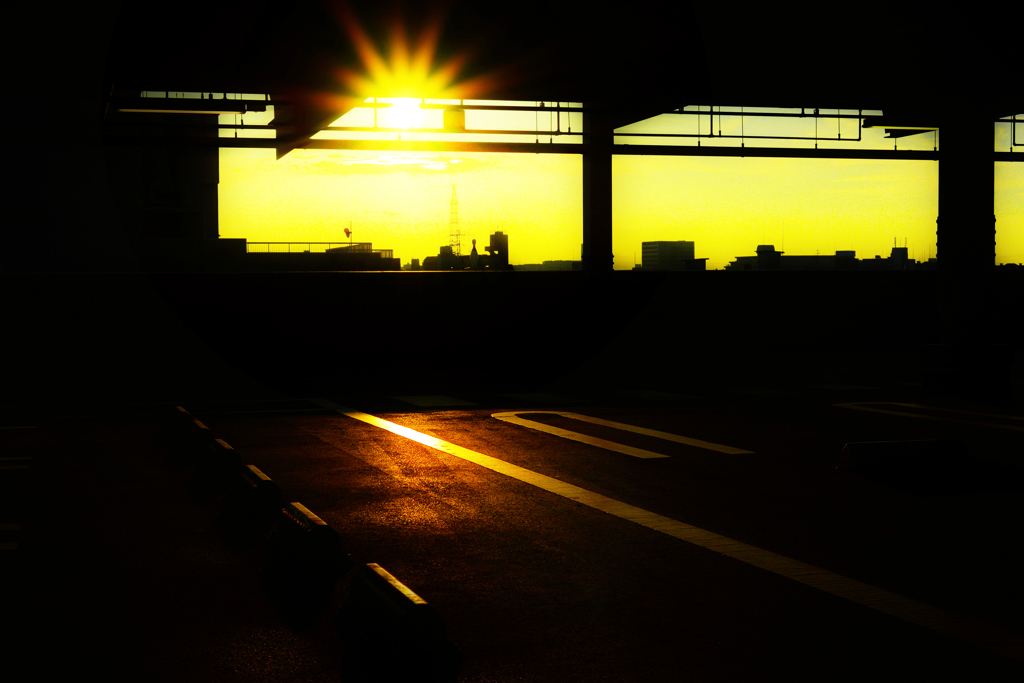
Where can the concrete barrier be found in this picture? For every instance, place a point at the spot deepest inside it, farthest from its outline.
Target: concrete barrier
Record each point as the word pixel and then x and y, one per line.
pixel 174 428
pixel 194 437
pixel 216 472
pixel 394 633
pixel 922 465
pixel 304 562
pixel 251 507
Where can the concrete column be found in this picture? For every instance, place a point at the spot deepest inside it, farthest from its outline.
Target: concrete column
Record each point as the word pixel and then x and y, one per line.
pixel 969 361
pixel 597 194
pixel 965 237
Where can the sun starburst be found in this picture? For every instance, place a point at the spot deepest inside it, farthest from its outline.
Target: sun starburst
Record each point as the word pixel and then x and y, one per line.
pixel 403 68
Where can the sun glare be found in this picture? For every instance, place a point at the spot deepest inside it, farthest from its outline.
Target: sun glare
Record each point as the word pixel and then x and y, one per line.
pixel 401 68
pixel 405 113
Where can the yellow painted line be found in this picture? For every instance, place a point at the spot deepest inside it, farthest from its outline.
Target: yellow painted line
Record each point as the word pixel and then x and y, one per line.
pixel 865 407
pixel 965 628
pixel 514 418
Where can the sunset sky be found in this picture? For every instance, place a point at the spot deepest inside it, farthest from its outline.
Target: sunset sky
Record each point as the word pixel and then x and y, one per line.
pixel 727 206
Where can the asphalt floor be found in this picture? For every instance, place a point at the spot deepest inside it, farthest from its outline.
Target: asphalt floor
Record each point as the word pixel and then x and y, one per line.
pixel 111 569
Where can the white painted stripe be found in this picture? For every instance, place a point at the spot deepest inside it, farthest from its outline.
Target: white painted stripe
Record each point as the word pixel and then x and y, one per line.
pixel 9 546
pixel 576 436
pixel 865 407
pixel 965 628
pixel 610 445
pixel 433 401
pixel 10 527
pixel 25 427
pixel 15 467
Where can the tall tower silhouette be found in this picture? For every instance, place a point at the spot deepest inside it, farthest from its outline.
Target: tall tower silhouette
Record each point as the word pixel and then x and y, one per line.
pixel 454 233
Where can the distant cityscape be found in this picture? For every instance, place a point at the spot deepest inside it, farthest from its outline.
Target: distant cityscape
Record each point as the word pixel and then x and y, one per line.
pixel 679 256
pixel 658 256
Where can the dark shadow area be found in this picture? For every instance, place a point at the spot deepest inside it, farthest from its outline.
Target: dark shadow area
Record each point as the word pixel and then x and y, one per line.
pixel 929 467
pixel 118 571
pixel 270 335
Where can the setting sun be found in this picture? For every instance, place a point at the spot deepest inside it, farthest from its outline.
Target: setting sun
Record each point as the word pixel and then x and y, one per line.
pixel 404 112
pixel 405 69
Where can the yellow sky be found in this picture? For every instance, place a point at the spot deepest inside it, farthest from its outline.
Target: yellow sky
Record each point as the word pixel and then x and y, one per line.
pixel 726 205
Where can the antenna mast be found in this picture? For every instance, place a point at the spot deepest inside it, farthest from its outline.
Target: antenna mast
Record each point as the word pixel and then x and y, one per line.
pixel 454 233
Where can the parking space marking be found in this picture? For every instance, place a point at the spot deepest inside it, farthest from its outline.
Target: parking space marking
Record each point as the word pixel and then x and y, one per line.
pixel 513 418
pixel 864 405
pixel 964 628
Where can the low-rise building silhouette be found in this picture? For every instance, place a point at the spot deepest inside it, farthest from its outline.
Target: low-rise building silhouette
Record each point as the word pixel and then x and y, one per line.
pixel 496 257
pixel 678 255
pixel 768 258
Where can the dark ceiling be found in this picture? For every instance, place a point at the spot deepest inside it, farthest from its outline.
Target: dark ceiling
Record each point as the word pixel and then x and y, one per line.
pixel 903 57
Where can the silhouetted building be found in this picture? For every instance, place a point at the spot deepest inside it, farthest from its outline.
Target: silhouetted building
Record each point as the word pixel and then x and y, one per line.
pixel 290 256
pixel 496 257
pixel 668 256
pixel 238 255
pixel 445 260
pixel 497 250
pixel 768 258
pixel 845 260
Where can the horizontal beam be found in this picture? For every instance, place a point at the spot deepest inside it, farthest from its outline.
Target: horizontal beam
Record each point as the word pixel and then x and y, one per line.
pixel 181 105
pixel 774 152
pixel 632 150
pixel 551 148
pixel 764 114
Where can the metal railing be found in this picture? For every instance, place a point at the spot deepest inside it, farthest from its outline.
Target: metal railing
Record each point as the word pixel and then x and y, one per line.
pixel 311 248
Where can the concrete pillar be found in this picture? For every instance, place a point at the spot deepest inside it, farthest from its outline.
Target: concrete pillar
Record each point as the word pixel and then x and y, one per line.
pixel 965 237
pixel 969 361
pixel 597 193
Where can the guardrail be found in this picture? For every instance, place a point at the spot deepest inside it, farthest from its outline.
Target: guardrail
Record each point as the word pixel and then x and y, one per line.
pixel 316 248
pixel 307 247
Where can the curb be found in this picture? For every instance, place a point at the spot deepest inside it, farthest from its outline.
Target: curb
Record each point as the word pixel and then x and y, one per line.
pixel 250 510
pixel 387 628
pixel 394 631
pixel 304 563
pixel 188 440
